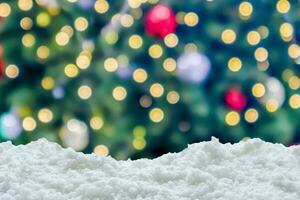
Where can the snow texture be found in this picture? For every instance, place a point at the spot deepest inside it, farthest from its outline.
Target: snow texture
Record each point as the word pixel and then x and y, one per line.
pixel 208 170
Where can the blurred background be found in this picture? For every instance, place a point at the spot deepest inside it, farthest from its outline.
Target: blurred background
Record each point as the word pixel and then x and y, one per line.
pixel 141 78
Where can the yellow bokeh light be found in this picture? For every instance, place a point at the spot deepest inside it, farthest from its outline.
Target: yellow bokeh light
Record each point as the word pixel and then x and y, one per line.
pixel 228 36
pixel 84 92
pixel 48 83
pixel 286 30
pixel 156 115
pixel 245 9
pixel 11 71
pixel 28 40
pixel 261 54
pixel 232 118
pixel 191 19
pixel 155 51
pixel 81 24
pixel 62 39
pixel 68 30
pixel 111 64
pixel 111 37
pixel 29 124
pixel 258 90
pixel 139 132
pixel 283 6
pixel 253 37
pixel 134 3
pixel 5 10
pixel 251 115
pixel 71 70
pixel 139 143
pixel 294 82
pixel 119 93
pixel 263 31
pixel 45 115
pixel 272 105
pixel 294 51
pixel 25 5
pixel 43 52
pixel 173 97
pixel 287 74
pixel 171 40
pixel 83 61
pixel 294 101
pixel 156 90
pixel 102 150
pixel 140 75
pixel 101 6
pixel 170 65
pixel 96 123
pixel 26 23
pixel 135 41
pixel 126 20
pixel 43 19
pixel 234 64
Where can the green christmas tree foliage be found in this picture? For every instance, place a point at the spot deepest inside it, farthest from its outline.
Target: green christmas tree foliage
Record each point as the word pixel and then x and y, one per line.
pixel 94 76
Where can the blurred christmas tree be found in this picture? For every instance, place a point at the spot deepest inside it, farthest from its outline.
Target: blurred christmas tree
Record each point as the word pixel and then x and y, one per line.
pixel 141 78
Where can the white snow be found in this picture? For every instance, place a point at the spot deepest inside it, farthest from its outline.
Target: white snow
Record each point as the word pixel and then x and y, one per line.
pixel 208 170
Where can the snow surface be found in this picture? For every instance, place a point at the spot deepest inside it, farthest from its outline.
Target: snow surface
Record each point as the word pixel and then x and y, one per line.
pixel 208 170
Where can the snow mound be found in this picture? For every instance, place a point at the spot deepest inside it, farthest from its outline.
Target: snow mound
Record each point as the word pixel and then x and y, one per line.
pixel 205 171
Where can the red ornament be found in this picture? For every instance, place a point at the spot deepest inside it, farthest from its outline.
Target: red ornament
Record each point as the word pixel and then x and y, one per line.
pixel 235 99
pixel 160 21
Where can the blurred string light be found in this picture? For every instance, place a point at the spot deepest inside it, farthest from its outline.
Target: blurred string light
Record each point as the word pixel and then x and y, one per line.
pixel 232 118
pixel 29 124
pixel 102 150
pixel 28 40
pixel 26 23
pixel 228 36
pixel 25 5
pixel 45 115
pixel 126 20
pixel 261 54
pixel 101 6
pixel 75 134
pixel 140 75
pixel 155 51
pixel 10 126
pixel 234 64
pixel 156 115
pixel 263 31
pixel 119 93
pixel 156 90
pixel 68 30
pixel 81 24
pixel 135 41
pixel 12 71
pixel 62 38
pixel 294 101
pixel 43 19
pixel 83 61
pixel 245 9
pixel 48 83
pixel 139 133
pixel 111 64
pixel 294 51
pixel 5 10
pixel 169 64
pixel 145 101
pixel 171 40
pixel 258 90
pixel 283 6
pixel 191 19
pixel 84 92
pixel 253 38
pixel 173 97
pixel 71 70
pixel 286 31
pixel 43 52
pixel 251 115
pixel 294 82
pixel 96 123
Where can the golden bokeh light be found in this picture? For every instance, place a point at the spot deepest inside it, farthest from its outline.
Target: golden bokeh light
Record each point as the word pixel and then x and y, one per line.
pixel 126 20
pixel 28 40
pixel 101 6
pixel 232 118
pixel 25 5
pixel 111 64
pixel 191 19
pixel 253 38
pixel 43 52
pixel 84 92
pixel 12 71
pixel 140 75
pixel 234 64
pixel 156 90
pixel 26 23
pixel 171 40
pixel 294 51
pixel 119 93
pixel 62 38
pixel 228 36
pixel 139 143
pixel 83 61
pixel 68 30
pixel 294 101
pixel 5 10
pixel 251 115
pixel 245 9
pixel 261 54
pixel 283 6
pixel 135 41
pixel 47 83
pixel 294 82
pixel 169 64
pixel 45 115
pixel 43 19
pixel 96 123
pixel 258 90
pixel 71 70
pixel 29 124
pixel 81 24
pixel 102 150
pixel 286 30
pixel 155 51
pixel 156 115
pixel 173 97
pixel 272 105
